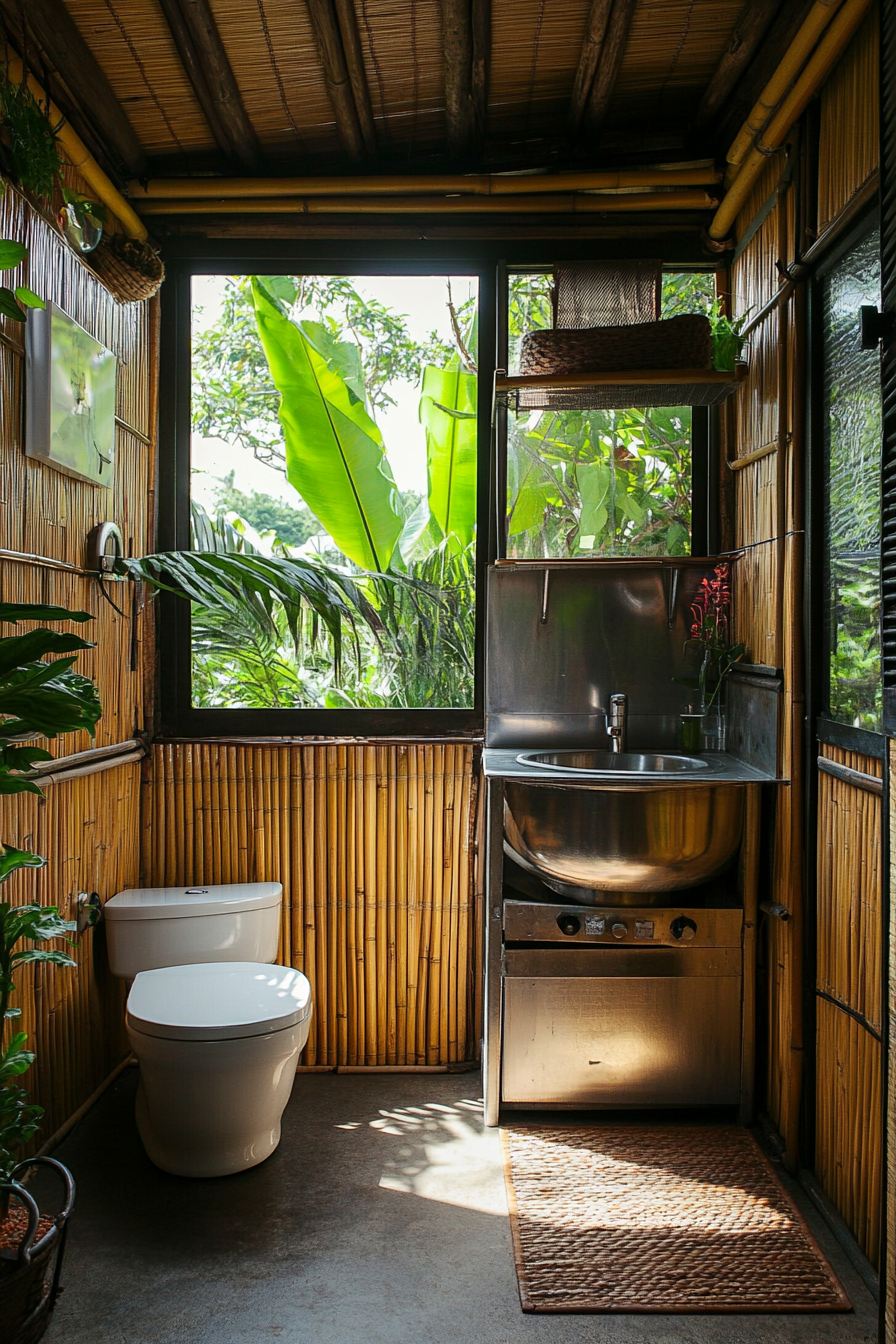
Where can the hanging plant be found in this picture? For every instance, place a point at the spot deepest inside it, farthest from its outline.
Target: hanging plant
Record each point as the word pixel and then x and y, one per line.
pixel 33 145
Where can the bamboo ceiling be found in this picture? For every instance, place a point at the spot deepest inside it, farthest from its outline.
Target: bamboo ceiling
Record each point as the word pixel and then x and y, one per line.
pixel 300 116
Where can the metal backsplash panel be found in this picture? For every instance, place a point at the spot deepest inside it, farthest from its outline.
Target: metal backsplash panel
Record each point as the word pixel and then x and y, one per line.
pixel 753 712
pixel 563 638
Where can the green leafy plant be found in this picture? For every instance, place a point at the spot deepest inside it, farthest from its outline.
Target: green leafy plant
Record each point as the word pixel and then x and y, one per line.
pixel 33 144
pixel 727 336
pixel 38 698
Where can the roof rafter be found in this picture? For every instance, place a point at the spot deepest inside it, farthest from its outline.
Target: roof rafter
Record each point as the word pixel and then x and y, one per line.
pixel 751 29
pixel 592 47
pixel 208 69
pixel 609 61
pixel 52 29
pixel 337 73
pixel 354 63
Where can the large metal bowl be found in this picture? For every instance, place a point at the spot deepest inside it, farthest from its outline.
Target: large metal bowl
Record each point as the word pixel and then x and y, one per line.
pixel 590 842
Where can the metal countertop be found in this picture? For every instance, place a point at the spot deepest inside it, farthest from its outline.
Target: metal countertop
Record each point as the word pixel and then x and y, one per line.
pixel 502 763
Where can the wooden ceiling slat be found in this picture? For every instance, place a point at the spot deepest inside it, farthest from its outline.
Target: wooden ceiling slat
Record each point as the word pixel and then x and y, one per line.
pixel 332 56
pixel 133 47
pixel 393 76
pixel 50 25
pixel 592 46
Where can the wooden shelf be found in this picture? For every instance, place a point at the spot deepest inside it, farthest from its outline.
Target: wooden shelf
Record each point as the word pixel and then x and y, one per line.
pixel 634 387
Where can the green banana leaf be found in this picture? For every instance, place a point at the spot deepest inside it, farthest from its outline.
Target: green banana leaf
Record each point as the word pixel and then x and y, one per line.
pixel 334 450
pixel 448 414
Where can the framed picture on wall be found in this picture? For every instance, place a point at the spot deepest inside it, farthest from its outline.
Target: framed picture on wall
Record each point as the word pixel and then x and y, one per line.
pixel 69 397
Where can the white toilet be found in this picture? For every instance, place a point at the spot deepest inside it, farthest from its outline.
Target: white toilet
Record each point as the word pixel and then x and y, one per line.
pixel 216 1028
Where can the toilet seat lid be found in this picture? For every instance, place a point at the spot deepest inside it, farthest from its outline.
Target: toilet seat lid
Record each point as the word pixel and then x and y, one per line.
pixel 219 1000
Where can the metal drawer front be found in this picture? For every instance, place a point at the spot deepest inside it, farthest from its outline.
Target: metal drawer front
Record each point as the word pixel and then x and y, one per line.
pixel 662 1040
pixel 574 962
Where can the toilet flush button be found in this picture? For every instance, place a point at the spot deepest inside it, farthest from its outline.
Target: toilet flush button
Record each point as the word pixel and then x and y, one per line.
pixel 196 891
pixel 618 930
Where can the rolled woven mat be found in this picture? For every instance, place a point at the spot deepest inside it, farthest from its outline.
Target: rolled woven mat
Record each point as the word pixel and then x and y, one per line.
pixel 657 1218
pixel 683 342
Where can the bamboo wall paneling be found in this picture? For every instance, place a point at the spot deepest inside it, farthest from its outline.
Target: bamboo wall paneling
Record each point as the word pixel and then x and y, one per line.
pixel 87 826
pixel 849 150
pixel 377 850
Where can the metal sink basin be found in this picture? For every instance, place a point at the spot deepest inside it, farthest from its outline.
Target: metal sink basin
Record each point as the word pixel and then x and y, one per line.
pixel 589 842
pixel 616 763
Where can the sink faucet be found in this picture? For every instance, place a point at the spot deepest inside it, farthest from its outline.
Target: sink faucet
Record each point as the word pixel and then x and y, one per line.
pixel 616 723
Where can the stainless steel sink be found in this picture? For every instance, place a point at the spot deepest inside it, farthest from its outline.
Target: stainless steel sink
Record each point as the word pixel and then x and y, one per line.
pixel 600 844
pixel 615 763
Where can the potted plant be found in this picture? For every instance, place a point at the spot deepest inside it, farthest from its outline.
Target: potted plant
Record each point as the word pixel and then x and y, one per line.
pixel 31 138
pixel 710 640
pixel 727 337
pixel 39 698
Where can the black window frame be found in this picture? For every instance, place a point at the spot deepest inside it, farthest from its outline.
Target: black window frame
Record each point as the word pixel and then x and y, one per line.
pixel 485 258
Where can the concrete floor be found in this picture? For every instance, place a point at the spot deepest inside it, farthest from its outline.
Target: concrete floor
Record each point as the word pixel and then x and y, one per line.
pixel 381 1219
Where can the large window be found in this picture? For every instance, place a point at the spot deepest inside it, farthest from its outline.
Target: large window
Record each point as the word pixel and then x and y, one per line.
pixel 334 425
pixel 593 483
pixel 852 454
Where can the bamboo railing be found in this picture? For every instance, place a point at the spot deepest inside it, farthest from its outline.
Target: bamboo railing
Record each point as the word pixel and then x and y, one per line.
pixel 376 848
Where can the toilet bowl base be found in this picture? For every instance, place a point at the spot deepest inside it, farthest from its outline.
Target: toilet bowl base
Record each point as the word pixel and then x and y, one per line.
pixel 205 1166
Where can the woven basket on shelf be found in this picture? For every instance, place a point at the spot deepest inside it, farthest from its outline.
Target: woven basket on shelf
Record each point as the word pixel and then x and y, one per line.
pixel 130 270
pixel 678 343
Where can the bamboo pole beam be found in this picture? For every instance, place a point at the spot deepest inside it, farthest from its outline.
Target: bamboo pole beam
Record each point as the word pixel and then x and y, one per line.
pixel 329 37
pixel 795 57
pixel 744 43
pixel 209 71
pixel 592 47
pixel 475 184
pixel 789 110
pixel 609 63
pixel 80 158
pixel 457 60
pixel 435 205
pixel 738 463
pixel 49 24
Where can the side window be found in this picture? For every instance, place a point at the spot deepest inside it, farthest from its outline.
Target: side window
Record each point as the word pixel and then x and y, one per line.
pixel 852 428
pixel 591 483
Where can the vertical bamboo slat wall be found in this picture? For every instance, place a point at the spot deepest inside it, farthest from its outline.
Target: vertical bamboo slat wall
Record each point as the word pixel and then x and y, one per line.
pixel 850 114
pixel 88 828
pixel 768 581
pixel 376 850
pixel 848 1136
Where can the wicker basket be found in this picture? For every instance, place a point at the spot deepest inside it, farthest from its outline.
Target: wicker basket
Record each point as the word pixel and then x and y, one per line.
pixel 679 343
pixel 29 1275
pixel 130 270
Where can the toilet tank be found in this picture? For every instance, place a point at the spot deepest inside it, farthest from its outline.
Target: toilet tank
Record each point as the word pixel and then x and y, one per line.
pixel 151 927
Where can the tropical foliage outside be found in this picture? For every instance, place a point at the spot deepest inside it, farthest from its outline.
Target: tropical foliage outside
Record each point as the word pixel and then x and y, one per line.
pixel 360 594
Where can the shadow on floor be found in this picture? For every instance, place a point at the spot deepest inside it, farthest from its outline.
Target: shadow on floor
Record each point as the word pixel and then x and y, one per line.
pixel 380 1218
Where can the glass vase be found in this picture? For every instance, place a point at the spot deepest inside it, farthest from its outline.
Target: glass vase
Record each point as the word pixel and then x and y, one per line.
pixel 714 727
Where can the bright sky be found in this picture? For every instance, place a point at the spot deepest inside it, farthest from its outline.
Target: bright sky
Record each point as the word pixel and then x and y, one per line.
pixel 423 301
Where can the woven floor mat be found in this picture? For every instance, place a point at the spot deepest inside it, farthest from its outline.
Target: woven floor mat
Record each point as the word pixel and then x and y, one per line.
pixel 657 1218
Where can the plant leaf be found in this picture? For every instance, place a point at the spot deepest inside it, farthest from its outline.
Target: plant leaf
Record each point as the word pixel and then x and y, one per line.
pixel 11 860
pixel 12 254
pixel 334 451
pixel 9 306
pixel 28 297
pixel 448 413
pixel 14 612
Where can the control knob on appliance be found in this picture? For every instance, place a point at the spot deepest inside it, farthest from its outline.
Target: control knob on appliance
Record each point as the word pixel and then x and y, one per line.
pixel 683 928
pixel 568 924
pixel 618 930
